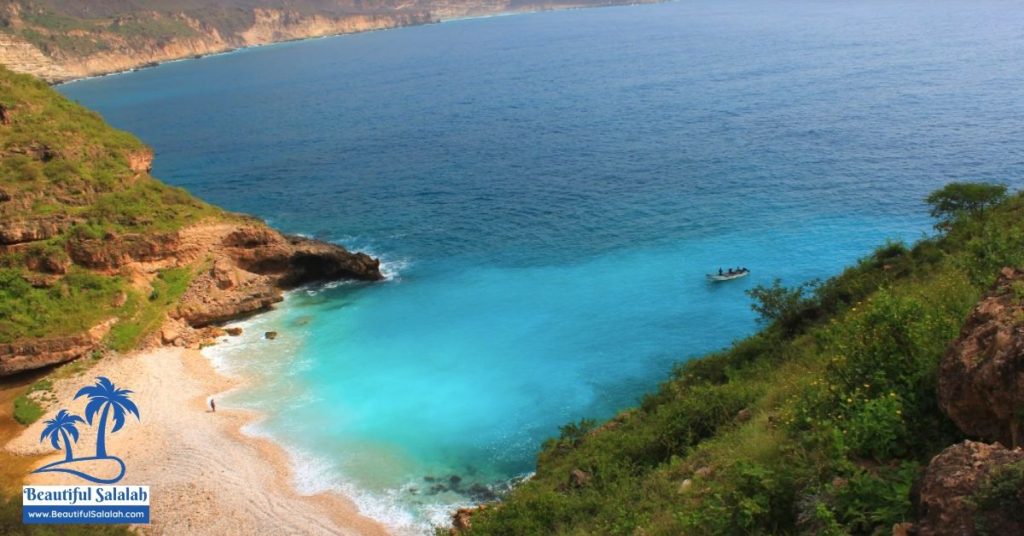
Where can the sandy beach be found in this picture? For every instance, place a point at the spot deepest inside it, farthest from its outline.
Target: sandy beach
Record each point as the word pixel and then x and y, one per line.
pixel 205 476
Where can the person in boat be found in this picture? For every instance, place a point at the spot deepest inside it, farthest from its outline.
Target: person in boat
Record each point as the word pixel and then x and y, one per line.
pixel 719 271
pixel 729 272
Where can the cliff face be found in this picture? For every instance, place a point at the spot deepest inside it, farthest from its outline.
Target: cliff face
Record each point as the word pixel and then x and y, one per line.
pixel 247 267
pixel 57 41
pixel 977 488
pixel 138 39
pixel 981 377
pixel 96 253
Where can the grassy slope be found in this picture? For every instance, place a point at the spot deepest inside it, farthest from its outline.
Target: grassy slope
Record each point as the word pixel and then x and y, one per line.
pixel 87 179
pixel 841 416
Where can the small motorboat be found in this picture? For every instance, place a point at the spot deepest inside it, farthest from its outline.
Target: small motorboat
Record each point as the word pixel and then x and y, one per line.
pixel 728 276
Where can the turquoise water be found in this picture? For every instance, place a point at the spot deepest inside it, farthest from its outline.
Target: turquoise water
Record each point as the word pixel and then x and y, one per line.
pixel 547 192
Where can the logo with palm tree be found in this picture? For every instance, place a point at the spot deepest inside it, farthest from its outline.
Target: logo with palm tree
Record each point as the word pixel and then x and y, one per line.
pixel 110 403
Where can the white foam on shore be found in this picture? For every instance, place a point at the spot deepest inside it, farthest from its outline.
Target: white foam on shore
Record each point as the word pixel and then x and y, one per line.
pixel 392 269
pixel 314 474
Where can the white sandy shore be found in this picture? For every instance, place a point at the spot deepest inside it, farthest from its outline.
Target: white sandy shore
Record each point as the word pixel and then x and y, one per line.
pixel 205 477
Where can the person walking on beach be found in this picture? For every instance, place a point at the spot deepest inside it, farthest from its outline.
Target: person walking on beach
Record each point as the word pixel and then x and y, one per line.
pixel 213 406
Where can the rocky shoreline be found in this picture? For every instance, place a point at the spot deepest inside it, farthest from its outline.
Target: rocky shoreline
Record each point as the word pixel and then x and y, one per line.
pixel 242 268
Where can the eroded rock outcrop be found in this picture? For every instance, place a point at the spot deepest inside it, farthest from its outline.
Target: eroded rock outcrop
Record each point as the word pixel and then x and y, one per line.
pixel 33 229
pixel 243 268
pixel 952 495
pixel 113 252
pixel 140 161
pixel 32 354
pixel 294 260
pixel 462 519
pixel 252 266
pixel 981 377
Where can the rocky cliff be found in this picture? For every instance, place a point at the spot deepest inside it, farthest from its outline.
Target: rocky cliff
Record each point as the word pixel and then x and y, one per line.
pixel 247 267
pixel 58 40
pixel 972 487
pixel 95 253
pixel 981 377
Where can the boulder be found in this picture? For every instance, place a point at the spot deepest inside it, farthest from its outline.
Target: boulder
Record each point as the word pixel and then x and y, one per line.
pixel 271 335
pixel 947 499
pixel 169 334
pixel 233 331
pixel 981 376
pixel 462 519
pixel 579 478
pixel 224 275
pixel 480 493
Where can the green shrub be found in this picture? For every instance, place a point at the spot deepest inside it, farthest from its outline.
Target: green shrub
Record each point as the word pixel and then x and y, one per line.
pixel 963 199
pixel 1001 495
pixel 871 502
pixel 26 410
pixel 140 316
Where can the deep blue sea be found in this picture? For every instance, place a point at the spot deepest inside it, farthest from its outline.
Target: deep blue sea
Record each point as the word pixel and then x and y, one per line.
pixel 547 192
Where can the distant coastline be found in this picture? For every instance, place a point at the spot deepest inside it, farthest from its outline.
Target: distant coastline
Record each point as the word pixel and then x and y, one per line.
pixel 21 56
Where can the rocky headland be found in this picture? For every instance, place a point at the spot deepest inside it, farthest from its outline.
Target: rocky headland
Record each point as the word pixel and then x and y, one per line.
pixel 96 254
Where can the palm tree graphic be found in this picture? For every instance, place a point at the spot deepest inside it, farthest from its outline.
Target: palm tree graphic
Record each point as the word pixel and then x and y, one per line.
pixel 105 400
pixel 104 397
pixel 62 427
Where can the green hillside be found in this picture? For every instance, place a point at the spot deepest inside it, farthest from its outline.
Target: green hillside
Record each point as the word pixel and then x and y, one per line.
pixel 66 182
pixel 819 424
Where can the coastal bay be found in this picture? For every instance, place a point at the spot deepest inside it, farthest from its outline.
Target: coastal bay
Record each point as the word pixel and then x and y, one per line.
pixel 545 194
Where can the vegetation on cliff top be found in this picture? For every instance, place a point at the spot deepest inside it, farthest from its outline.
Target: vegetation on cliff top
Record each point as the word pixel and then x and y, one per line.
pixel 819 424
pixel 75 30
pixel 67 179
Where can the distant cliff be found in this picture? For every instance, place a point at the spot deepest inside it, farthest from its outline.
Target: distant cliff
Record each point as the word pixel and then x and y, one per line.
pixel 58 40
pixel 95 253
